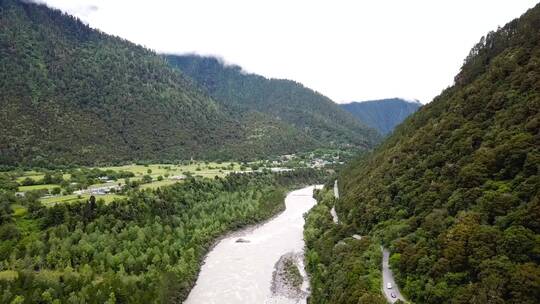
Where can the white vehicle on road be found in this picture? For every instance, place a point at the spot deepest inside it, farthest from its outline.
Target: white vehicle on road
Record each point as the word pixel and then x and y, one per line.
pixel 389 285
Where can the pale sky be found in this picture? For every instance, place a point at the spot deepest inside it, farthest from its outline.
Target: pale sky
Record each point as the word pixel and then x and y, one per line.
pixel 346 50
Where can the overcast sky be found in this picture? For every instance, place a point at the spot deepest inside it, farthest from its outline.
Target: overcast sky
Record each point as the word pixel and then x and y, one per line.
pixel 347 50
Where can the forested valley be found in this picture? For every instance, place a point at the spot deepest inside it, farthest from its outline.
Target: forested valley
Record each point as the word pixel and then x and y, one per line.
pixel 101 200
pixel 143 249
pixel 122 170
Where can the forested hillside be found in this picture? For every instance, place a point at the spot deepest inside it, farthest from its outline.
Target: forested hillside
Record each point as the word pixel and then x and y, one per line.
pixel 73 95
pixel 454 192
pixel 301 111
pixel 384 114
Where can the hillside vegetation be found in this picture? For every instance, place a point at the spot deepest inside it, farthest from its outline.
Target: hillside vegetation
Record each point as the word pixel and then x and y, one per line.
pixel 74 95
pixel 454 192
pixel 384 114
pixel 342 269
pixel 300 111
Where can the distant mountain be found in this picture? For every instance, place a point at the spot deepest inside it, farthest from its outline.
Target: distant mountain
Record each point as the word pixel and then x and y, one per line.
pixel 314 117
pixel 384 114
pixel 72 94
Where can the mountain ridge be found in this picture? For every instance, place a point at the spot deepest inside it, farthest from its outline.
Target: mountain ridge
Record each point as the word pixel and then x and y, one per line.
pixel 311 113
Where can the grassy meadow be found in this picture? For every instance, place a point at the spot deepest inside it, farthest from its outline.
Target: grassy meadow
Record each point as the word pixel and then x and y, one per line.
pixel 149 176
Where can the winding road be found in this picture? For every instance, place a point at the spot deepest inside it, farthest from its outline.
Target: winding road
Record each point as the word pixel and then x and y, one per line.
pixel 388 277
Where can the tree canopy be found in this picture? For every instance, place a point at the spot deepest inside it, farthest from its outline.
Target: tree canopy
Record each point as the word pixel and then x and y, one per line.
pixel 144 249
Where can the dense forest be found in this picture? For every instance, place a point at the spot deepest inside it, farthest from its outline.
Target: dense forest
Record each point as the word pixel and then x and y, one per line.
pixel 342 269
pixel 74 95
pixel 286 104
pixel 454 192
pixel 384 114
pixel 143 249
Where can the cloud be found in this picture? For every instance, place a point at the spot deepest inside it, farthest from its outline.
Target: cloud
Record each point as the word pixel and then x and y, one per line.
pixel 87 9
pixel 77 7
pixel 220 59
pixel 411 100
pixel 81 10
pixel 34 1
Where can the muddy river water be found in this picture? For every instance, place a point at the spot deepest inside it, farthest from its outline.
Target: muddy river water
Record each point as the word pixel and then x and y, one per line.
pixel 238 270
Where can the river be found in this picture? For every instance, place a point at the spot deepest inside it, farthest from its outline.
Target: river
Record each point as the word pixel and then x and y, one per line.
pixel 241 272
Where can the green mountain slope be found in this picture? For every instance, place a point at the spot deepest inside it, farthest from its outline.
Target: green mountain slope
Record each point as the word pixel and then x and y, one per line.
pixel 74 94
pixel 383 115
pixel 71 94
pixel 308 113
pixel 454 192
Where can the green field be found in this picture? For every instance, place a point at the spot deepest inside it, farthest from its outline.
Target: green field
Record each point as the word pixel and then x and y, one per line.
pixel 18 210
pixel 38 187
pixel 8 275
pixel 51 201
pixel 166 171
pixel 157 184
pixel 198 168
pixel 202 169
pixel 37 176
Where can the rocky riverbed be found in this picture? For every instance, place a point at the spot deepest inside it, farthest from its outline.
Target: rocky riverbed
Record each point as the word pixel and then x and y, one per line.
pixel 287 279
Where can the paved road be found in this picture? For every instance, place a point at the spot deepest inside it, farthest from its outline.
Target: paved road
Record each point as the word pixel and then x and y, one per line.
pixel 333 210
pixel 388 277
pixel 335 218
